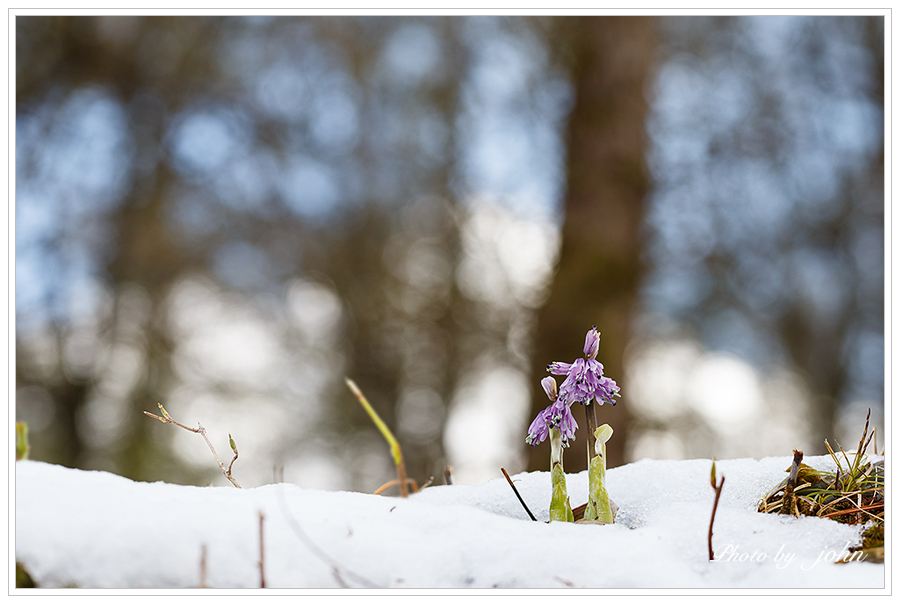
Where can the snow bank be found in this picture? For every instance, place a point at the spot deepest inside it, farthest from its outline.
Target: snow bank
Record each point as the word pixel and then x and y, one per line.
pixel 98 530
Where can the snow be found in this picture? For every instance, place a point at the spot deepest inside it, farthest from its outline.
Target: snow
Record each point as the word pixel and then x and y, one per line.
pixel 98 530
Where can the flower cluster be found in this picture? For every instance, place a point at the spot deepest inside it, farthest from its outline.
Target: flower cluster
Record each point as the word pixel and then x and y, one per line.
pixel 585 381
pixel 557 416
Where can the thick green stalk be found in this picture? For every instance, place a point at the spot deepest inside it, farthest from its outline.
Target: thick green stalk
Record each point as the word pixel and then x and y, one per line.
pixel 599 507
pixel 560 508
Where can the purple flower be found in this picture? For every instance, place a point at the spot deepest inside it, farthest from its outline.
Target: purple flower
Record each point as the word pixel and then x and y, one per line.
pixel 561 419
pixel 539 428
pixel 585 381
pixel 557 416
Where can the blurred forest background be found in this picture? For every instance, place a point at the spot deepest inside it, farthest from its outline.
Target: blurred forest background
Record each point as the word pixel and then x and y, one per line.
pixel 230 214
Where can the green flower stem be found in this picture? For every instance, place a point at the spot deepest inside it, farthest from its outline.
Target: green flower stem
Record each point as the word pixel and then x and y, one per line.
pixel 560 508
pixel 599 507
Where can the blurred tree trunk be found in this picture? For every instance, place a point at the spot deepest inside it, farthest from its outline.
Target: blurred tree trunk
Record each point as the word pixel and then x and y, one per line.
pixel 599 268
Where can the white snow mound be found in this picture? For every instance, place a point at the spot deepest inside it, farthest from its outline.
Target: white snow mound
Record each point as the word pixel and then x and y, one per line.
pixel 97 530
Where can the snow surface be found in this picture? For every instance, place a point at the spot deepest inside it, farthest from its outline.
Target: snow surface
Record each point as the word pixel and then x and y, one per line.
pixel 99 530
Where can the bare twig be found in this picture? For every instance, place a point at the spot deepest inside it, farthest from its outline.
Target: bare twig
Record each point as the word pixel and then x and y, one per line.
pixel 718 490
pixel 448 480
pixel 233 459
pixel 262 552
pixel 516 491
pixel 789 504
pixel 167 419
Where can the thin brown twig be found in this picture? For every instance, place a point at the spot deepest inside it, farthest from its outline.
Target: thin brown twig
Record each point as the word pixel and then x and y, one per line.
pixel 233 459
pixel 167 419
pixel 516 491
pixel 789 504
pixel 262 552
pixel 718 490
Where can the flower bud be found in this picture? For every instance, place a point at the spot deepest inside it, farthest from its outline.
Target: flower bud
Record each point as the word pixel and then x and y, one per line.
pixel 592 343
pixel 602 435
pixel 549 385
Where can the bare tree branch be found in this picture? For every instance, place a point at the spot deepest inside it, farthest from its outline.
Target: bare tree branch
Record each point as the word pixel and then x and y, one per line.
pixel 167 419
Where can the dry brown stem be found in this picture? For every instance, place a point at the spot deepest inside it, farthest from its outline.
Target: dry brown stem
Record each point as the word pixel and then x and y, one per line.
pixel 167 419
pixel 516 491
pixel 712 519
pixel 262 553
